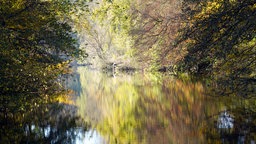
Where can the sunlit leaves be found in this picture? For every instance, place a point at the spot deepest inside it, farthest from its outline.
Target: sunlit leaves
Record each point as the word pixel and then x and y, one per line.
pixel 35 48
pixel 216 31
pixel 156 25
pixel 106 33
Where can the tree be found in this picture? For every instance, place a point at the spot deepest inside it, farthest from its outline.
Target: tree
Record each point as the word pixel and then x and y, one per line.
pixel 55 123
pixel 220 38
pixel 35 46
pixel 156 26
pixel 106 34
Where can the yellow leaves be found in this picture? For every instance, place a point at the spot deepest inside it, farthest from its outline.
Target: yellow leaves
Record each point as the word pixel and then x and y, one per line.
pixel 65 99
pixel 233 1
pixel 18 4
pixel 249 43
pixel 210 8
pixel 59 67
pixel 254 6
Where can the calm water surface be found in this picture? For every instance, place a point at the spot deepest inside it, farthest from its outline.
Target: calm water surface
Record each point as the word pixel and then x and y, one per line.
pixel 141 108
pixel 155 108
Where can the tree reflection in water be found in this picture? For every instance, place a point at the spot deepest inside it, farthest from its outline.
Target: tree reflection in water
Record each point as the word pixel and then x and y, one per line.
pixel 141 108
pixel 154 108
pixel 238 96
pixel 55 123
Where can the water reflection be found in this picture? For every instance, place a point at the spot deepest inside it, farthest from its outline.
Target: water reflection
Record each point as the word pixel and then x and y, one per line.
pixel 225 121
pixel 146 108
pixel 55 123
pixel 237 123
pixel 140 108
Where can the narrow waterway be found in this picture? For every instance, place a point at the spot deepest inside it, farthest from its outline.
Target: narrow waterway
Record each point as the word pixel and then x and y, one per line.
pixel 158 108
pixel 140 108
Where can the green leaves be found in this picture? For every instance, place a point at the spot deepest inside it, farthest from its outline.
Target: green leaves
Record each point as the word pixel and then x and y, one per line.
pixel 215 33
pixel 36 44
pixel 105 32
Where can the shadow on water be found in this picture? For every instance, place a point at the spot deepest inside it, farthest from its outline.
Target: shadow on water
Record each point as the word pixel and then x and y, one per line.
pixel 140 108
pixel 155 108
pixel 45 121
pixel 237 123
pixel 55 123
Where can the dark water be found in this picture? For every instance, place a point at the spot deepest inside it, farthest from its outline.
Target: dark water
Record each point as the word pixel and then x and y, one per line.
pixel 142 108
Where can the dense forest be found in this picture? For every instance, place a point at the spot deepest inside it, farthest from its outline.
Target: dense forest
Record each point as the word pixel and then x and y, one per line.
pixel 199 37
pixel 42 39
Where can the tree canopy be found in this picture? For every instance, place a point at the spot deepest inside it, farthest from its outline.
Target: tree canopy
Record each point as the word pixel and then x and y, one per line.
pixel 220 37
pixel 36 43
pixel 105 32
pixel 157 22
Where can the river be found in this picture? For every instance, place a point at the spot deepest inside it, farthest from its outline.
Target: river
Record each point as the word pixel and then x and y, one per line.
pixel 145 108
pixel 159 108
